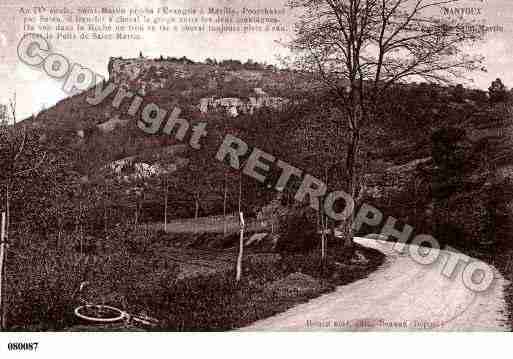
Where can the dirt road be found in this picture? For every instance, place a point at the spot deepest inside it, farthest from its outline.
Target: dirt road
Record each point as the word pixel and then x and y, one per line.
pixel 402 295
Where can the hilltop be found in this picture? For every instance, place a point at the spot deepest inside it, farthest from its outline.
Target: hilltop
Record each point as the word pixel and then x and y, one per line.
pixel 260 104
pixel 436 158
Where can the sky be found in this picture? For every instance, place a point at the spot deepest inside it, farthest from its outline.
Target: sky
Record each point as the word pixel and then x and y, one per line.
pixel 36 90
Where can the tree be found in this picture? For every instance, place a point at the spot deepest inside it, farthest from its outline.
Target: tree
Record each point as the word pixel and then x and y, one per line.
pixel 210 61
pixel 358 49
pixel 458 93
pixel 497 91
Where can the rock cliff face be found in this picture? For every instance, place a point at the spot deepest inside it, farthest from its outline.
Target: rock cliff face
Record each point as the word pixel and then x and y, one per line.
pixel 144 76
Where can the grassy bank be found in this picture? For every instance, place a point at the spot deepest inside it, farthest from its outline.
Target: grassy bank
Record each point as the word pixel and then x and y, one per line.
pixel 142 272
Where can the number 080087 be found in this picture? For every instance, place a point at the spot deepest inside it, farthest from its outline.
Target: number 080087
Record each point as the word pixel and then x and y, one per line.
pixel 22 346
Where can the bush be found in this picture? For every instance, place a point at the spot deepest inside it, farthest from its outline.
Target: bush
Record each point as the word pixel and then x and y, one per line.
pixel 447 147
pixel 497 91
pixel 308 264
pixel 298 233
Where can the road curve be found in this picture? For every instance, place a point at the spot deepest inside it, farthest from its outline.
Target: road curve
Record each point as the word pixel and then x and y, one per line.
pixel 401 295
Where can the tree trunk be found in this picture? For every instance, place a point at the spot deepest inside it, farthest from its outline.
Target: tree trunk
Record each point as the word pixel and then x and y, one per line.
pixel 105 218
pixel 3 246
pixel 351 161
pixel 4 237
pixel 196 210
pixel 60 229
pixel 324 221
pixel 239 257
pixel 238 273
pixel 165 209
pixel 136 213
pixel 324 227
pixel 7 209
pixel 224 205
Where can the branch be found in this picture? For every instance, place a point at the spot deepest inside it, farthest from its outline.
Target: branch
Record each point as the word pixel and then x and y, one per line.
pixel 33 168
pixel 22 146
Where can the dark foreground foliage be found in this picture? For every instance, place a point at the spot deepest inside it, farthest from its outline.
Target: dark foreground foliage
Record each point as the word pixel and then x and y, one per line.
pixel 133 272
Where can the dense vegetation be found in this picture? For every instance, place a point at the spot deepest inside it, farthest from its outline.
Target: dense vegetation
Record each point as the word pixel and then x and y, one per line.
pixel 72 204
pixel 131 269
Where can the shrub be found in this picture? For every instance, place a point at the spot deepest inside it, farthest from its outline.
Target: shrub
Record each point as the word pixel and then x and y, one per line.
pixel 458 93
pixel 311 264
pixel 447 146
pixel 497 91
pixel 298 233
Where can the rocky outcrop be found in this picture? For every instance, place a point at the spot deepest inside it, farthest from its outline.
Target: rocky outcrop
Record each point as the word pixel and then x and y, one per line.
pixel 111 124
pixel 235 106
pixel 144 76
pixel 128 169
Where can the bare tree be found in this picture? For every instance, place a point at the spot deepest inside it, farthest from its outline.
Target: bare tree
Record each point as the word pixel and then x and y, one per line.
pixel 357 49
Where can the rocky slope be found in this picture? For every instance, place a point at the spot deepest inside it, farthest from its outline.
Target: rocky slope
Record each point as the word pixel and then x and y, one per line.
pixel 440 164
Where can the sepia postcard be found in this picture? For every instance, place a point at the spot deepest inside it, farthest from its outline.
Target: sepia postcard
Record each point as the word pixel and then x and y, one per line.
pixel 254 166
